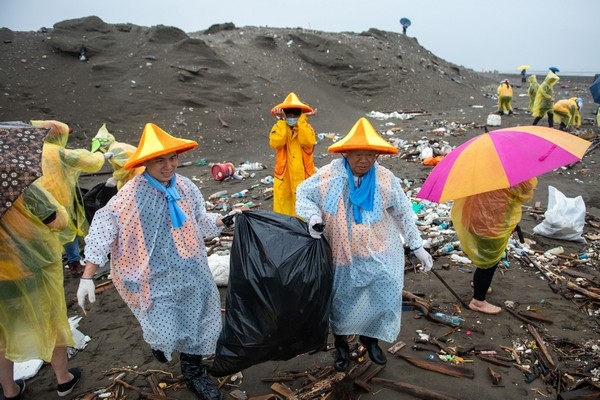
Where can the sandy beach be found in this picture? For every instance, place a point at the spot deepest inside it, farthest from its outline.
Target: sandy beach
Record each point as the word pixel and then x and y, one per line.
pixel 217 87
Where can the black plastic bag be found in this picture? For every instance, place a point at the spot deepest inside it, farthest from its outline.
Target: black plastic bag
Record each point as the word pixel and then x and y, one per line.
pixel 96 198
pixel 279 294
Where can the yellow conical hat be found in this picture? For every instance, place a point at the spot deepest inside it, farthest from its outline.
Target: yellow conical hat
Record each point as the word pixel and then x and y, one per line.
pixel 292 101
pixel 362 136
pixel 154 143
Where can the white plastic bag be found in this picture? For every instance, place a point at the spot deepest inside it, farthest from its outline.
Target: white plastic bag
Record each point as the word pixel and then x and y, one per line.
pixel 564 218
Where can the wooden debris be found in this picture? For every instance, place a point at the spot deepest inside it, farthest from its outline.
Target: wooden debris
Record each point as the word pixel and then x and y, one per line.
pixel 541 345
pixel 536 316
pixel 270 396
pixel 495 361
pixel 237 394
pixel 396 347
pixel 417 391
pixel 578 289
pixel 496 377
pixel 363 380
pixel 150 396
pixel 451 370
pixel 283 390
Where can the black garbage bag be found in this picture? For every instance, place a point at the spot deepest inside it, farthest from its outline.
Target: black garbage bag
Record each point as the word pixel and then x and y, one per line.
pixel 96 198
pixel 279 293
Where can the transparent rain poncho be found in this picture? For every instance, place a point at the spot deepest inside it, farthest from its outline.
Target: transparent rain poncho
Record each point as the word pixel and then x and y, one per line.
pixel 61 168
pixel 485 221
pixel 161 272
pixel 368 257
pixel 121 154
pixel 33 314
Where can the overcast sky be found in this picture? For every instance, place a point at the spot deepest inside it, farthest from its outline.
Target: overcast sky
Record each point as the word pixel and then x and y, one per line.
pixel 478 34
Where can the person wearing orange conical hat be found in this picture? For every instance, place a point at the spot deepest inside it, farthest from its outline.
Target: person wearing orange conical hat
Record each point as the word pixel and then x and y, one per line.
pixel 154 230
pixel 293 139
pixel 61 168
pixel 360 208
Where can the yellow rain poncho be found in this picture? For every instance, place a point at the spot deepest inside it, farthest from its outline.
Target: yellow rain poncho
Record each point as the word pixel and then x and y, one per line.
pixel 544 95
pixel 505 95
pixel 485 221
pixel 33 314
pixel 568 112
pixel 61 168
pixel 104 142
pixel 532 90
pixel 293 161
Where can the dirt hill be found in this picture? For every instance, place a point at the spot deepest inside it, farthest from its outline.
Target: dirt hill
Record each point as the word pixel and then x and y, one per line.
pixel 186 82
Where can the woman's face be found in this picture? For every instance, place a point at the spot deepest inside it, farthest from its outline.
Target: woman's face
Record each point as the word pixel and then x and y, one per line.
pixel 163 167
pixel 361 161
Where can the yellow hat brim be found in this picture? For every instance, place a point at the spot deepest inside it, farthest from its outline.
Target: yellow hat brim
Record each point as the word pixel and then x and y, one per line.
pixel 155 142
pixel 292 101
pixel 363 136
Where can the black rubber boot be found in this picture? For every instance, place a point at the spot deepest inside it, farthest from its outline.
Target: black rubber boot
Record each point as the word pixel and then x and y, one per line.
pixel 197 378
pixel 375 353
pixel 343 353
pixel 159 355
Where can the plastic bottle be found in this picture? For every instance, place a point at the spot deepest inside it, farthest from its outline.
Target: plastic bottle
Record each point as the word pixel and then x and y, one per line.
pixel 446 249
pixel 241 193
pixel 216 195
pixel 556 250
pixel 447 318
pixel 462 260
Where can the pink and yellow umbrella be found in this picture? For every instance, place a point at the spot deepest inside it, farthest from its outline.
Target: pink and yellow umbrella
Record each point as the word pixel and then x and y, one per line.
pixel 501 159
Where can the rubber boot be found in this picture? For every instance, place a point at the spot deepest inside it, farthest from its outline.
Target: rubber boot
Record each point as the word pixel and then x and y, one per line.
pixel 343 353
pixel 375 353
pixel 197 378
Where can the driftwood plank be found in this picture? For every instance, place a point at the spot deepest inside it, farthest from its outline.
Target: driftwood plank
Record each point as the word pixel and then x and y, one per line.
pixel 417 391
pixel 452 370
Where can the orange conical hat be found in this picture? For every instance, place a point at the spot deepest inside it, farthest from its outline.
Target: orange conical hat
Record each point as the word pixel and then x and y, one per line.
pixel 362 136
pixel 292 101
pixel 154 143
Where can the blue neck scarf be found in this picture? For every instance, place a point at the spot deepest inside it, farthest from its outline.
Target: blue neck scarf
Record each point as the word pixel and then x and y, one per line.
pixel 178 217
pixel 364 195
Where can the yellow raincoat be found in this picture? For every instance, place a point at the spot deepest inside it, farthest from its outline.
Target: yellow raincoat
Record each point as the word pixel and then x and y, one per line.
pixel 121 154
pixel 544 95
pixel 532 90
pixel 485 221
pixel 293 161
pixel 568 111
pixel 61 168
pixel 505 95
pixel 33 314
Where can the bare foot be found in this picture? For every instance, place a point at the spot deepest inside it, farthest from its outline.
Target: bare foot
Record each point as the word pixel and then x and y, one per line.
pixel 484 307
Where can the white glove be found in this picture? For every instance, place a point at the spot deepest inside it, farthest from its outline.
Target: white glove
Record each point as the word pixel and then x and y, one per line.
pixel 314 220
pixel 108 155
pixel 111 182
pixel 425 258
pixel 86 288
pixel 234 212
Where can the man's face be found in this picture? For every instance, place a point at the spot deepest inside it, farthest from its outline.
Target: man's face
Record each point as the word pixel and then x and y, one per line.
pixel 361 161
pixel 163 167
